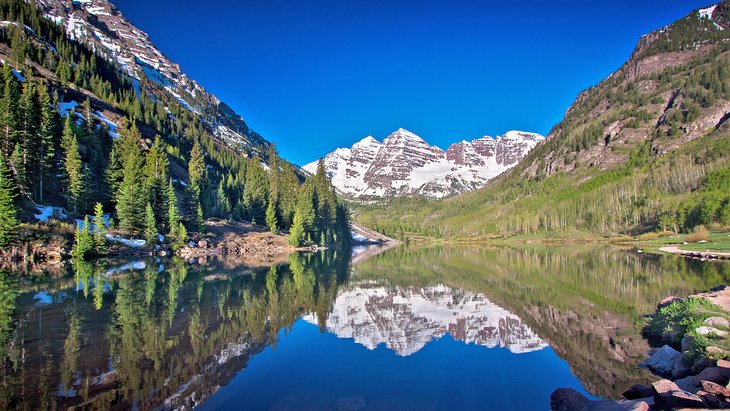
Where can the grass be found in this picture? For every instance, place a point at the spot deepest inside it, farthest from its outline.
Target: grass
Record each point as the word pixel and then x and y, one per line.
pixel 681 318
pixel 716 241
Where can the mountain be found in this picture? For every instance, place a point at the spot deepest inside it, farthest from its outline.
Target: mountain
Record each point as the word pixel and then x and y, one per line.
pixel 405 319
pixel 101 26
pixel 645 149
pixel 406 165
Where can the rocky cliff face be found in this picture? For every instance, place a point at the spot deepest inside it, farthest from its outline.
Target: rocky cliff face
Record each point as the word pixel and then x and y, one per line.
pixel 99 24
pixel 405 319
pixel 404 164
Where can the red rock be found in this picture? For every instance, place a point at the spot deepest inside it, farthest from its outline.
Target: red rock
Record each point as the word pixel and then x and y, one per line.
pixel 666 301
pixel 723 363
pixel 664 386
pixel 714 388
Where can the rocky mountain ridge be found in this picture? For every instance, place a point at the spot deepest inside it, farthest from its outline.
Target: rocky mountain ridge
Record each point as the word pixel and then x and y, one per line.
pixel 405 319
pixel 100 25
pixel 404 164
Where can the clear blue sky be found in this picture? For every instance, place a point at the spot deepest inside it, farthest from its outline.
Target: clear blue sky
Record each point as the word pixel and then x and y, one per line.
pixel 315 75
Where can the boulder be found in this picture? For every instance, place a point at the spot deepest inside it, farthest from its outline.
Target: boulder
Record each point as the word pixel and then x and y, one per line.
pixel 723 364
pixel 637 391
pixel 718 375
pixel 711 400
pixel 202 244
pixel 700 364
pixel 568 399
pixel 686 343
pixel 662 361
pixel 716 352
pixel 716 322
pixel 666 301
pixel 707 330
pixel 664 386
pixel 687 384
pixel 714 388
pixel 680 369
pixel 678 399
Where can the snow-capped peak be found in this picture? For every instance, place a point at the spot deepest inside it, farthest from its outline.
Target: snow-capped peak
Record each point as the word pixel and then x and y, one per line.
pixel 706 13
pixel 405 164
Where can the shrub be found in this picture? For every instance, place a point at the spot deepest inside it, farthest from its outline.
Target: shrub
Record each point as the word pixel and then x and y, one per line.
pixel 699 233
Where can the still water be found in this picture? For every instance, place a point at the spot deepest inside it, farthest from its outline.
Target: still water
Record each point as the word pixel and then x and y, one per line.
pixel 431 328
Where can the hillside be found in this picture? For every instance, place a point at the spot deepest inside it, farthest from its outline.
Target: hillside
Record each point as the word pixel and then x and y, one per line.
pixel 95 119
pixel 645 149
pixel 406 165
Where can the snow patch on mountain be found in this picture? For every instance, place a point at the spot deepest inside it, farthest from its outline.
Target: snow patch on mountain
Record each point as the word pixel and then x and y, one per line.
pixel 406 319
pixel 405 164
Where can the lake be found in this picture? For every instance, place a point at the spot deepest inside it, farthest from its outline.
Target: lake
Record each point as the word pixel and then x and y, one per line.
pixel 431 328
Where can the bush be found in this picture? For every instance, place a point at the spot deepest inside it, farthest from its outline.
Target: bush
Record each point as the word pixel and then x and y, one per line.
pixel 649 236
pixel 699 233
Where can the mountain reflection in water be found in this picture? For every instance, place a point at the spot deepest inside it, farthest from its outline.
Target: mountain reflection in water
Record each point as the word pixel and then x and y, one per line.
pixel 405 319
pixel 153 336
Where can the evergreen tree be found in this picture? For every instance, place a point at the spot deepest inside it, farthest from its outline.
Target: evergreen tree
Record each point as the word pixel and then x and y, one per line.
pixel 297 232
pixel 199 220
pixel 9 113
pixel 131 197
pixel 271 220
pixel 172 214
pixel 84 240
pixel 224 204
pixel 99 229
pixel 256 190
pixel 157 176
pixel 46 134
pixel 28 134
pixel 8 211
pixel 74 175
pixel 198 173
pixel 150 229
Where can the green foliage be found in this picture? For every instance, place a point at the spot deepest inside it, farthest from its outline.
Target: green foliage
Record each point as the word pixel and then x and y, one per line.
pixel 100 230
pixel 75 174
pixel 8 210
pixel 271 220
pixel 131 197
pixel 297 231
pixel 84 241
pixel 150 229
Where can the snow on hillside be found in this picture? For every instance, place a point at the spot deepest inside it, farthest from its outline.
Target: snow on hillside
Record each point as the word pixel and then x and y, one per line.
pixel 405 164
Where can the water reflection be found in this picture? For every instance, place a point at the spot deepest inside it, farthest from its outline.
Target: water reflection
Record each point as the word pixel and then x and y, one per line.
pixel 405 319
pixel 151 334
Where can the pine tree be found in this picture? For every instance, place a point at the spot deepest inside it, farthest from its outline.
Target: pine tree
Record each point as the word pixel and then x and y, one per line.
pixel 271 220
pixel 198 173
pixel 256 190
pixel 157 175
pixel 172 213
pixel 199 220
pixel 8 211
pixel 131 197
pixel 9 113
pixel 74 175
pixel 46 133
pixel 28 134
pixel 297 234
pixel 224 204
pixel 150 229
pixel 84 240
pixel 99 229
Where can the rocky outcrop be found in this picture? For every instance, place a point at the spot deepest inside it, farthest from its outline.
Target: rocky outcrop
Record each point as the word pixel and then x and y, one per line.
pixel 104 28
pixel 405 164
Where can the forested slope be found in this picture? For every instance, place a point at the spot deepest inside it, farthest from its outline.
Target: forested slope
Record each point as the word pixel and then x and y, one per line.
pixel 645 149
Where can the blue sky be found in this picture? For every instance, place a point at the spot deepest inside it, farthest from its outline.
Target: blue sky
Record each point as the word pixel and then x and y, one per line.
pixel 315 75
